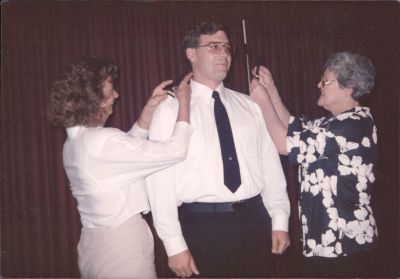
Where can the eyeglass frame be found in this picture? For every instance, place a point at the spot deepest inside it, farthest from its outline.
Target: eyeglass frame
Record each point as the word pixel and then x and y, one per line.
pixel 230 49
pixel 323 82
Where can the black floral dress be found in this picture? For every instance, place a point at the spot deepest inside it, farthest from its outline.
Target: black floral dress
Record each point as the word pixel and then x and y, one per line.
pixel 338 157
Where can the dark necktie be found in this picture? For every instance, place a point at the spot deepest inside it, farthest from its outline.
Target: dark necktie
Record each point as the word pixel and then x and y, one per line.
pixel 228 151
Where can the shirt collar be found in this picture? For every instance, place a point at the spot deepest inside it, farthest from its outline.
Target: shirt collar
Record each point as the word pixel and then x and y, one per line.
pixel 204 92
pixel 75 131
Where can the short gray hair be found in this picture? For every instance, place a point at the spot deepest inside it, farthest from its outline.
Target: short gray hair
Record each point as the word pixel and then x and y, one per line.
pixel 352 71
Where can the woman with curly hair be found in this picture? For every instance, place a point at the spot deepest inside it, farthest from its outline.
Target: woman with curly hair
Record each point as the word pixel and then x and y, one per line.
pixel 338 156
pixel 106 167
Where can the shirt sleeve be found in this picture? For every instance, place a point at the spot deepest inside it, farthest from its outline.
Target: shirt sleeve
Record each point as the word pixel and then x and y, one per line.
pixel 352 156
pixel 274 194
pixel 342 155
pixel 137 131
pixel 161 190
pixel 117 158
pixel 304 141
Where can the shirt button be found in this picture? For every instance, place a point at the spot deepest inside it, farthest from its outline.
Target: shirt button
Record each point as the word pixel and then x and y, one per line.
pixel 230 158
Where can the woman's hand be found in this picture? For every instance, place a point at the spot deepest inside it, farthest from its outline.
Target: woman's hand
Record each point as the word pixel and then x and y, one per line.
pixel 158 95
pixel 265 78
pixel 276 116
pixel 183 93
pixel 259 94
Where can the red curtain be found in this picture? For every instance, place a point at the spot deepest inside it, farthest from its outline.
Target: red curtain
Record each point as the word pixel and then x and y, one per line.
pixel 39 222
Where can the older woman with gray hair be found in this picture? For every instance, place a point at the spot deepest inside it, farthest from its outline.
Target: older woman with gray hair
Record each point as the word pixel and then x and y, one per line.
pixel 338 155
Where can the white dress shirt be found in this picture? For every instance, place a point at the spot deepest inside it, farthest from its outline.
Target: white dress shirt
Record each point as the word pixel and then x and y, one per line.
pixel 199 178
pixel 106 169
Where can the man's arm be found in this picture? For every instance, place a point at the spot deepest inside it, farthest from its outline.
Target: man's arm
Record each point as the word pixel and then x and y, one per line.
pixel 274 195
pixel 163 199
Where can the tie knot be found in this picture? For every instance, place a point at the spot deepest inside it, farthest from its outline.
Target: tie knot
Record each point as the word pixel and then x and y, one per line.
pixel 215 95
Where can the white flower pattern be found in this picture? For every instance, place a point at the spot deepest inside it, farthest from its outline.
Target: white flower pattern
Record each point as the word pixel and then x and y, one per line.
pixel 337 158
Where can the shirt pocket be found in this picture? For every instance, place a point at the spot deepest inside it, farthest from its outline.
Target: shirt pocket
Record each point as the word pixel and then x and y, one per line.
pixel 247 140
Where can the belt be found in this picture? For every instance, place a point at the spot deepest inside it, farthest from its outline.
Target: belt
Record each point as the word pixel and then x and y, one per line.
pixel 205 207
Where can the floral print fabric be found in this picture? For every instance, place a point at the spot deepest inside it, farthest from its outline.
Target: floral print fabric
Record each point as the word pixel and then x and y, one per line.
pixel 338 157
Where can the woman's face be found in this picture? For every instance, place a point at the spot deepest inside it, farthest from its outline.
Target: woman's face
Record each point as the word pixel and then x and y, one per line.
pixel 333 98
pixel 110 94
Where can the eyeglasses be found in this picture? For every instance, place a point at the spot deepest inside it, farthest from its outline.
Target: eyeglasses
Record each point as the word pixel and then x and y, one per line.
pixel 325 82
pixel 216 47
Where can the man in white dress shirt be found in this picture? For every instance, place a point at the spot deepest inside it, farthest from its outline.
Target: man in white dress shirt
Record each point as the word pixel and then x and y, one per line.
pixel 208 229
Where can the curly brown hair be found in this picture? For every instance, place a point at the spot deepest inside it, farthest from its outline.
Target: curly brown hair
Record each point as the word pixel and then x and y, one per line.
pixel 75 98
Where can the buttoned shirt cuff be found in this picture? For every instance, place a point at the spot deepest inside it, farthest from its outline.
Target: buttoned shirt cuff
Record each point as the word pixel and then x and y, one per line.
pixel 280 223
pixel 175 245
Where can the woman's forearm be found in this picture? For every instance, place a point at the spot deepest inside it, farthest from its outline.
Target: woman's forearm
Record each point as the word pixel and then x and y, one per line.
pixel 145 118
pixel 184 111
pixel 279 107
pixel 275 126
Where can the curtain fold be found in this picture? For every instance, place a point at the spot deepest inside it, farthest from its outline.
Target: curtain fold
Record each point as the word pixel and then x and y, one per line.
pixel 40 225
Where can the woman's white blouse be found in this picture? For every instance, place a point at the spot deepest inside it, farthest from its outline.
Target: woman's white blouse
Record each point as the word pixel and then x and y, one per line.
pixel 106 169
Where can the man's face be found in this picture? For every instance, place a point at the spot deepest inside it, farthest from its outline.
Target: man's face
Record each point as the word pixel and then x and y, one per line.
pixel 210 63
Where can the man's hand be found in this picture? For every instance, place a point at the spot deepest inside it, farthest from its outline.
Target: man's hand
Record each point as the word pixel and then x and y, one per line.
pixel 280 241
pixel 183 264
